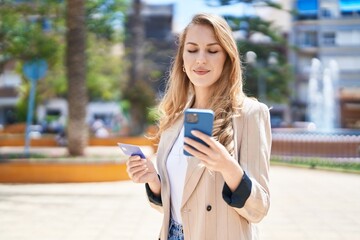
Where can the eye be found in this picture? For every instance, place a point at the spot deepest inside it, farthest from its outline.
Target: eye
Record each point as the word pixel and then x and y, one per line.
pixel 192 51
pixel 213 52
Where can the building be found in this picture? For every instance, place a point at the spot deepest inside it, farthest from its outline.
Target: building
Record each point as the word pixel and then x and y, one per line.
pixel 158 21
pixel 158 45
pixel 328 30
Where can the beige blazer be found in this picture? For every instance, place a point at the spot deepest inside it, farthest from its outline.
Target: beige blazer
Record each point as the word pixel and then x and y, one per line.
pixel 204 212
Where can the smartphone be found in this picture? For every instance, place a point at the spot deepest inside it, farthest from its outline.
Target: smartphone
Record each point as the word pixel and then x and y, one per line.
pixel 198 119
pixel 131 150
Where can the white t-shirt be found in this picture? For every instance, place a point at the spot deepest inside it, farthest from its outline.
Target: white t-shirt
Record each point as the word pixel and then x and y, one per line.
pixel 176 166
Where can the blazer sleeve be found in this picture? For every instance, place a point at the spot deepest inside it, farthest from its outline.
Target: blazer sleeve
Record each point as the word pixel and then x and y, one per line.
pixel 156 200
pixel 252 197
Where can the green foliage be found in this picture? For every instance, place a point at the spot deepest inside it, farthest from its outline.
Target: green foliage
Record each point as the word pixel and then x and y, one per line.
pixel 22 104
pixel 102 15
pixel 276 76
pixel 153 115
pixel 105 76
pixel 141 96
pixel 23 37
pixel 256 25
pixel 21 33
pixel 21 108
pixel 318 163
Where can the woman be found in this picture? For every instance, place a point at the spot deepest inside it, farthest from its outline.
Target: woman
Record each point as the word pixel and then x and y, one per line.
pixel 222 190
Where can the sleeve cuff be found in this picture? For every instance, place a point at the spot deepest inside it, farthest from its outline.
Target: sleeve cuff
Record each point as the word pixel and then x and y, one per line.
pixel 151 196
pixel 240 195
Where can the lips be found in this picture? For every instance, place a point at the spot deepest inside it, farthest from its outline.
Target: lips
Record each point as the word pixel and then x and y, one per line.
pixel 201 71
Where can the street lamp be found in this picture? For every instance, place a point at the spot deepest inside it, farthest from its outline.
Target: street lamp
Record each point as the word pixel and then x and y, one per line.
pixel 272 60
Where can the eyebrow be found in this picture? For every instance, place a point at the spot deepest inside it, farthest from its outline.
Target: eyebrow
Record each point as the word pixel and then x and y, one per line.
pixel 210 44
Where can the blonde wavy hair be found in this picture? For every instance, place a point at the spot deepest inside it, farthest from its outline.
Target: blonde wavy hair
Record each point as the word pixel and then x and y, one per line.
pixel 226 100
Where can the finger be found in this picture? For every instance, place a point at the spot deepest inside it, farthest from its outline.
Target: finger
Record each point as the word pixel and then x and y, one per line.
pixel 135 170
pixel 206 138
pixel 202 157
pixel 134 157
pixel 135 163
pixel 197 145
pixel 138 177
pixel 196 153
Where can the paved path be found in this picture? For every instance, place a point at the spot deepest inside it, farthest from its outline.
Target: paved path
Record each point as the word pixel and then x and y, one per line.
pixel 313 205
pixel 306 204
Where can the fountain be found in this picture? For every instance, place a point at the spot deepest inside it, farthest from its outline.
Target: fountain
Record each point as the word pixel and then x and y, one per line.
pixel 327 139
pixel 323 108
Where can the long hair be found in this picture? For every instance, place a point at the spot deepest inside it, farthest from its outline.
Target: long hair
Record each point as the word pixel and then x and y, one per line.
pixel 225 101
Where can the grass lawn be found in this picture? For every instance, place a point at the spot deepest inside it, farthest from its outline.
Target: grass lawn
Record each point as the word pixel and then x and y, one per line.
pixel 342 165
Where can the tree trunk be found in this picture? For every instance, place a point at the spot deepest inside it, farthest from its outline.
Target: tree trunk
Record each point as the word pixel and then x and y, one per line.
pixel 77 131
pixel 137 34
pixel 137 42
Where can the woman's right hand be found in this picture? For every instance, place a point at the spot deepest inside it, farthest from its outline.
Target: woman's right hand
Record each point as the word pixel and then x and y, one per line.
pixel 141 170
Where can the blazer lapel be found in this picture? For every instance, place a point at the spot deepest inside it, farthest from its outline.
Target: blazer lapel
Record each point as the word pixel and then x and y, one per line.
pixel 195 168
pixel 194 172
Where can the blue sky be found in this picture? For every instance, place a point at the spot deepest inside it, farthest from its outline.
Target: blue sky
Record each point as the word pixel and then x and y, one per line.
pixel 185 9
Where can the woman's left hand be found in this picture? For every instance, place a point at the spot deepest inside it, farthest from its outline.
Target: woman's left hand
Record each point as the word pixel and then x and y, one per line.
pixel 215 156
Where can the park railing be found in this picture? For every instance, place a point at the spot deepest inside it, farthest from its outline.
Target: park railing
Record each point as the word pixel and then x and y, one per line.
pixel 315 145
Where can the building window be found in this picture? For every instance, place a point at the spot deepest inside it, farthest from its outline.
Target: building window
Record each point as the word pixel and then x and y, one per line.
pixel 348 38
pixel 326 13
pixel 308 39
pixel 329 38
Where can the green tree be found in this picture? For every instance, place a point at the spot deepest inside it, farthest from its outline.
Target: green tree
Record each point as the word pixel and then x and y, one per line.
pixel 107 76
pixel 271 67
pixel 25 34
pixel 36 30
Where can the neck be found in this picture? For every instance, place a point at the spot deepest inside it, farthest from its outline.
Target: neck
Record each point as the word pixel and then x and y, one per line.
pixel 202 98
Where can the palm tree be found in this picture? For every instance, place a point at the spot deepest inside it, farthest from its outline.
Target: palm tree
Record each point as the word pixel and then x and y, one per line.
pixel 76 76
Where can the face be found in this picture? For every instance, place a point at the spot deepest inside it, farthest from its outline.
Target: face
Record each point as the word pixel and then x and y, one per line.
pixel 203 56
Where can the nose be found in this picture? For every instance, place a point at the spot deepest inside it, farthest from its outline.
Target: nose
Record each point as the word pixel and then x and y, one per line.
pixel 201 58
